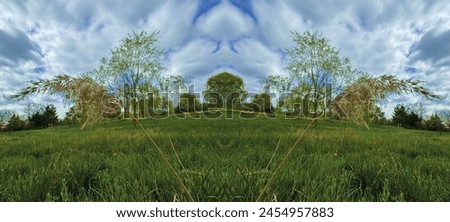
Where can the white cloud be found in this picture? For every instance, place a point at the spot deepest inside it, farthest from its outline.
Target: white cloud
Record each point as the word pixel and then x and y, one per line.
pixel 225 22
pixel 408 39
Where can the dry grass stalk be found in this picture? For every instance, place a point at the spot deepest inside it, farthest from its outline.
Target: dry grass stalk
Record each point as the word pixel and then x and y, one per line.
pixel 273 154
pixel 91 100
pixel 166 160
pixel 283 162
pixel 355 102
pixel 361 97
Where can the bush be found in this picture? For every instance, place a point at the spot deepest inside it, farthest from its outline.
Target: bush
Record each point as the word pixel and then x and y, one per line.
pixel 15 124
pixel 406 119
pixel 188 103
pixel 434 123
pixel 40 120
pixel 261 103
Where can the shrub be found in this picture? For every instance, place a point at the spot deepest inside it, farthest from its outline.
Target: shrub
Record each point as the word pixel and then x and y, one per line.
pixel 188 103
pixel 15 124
pixel 434 123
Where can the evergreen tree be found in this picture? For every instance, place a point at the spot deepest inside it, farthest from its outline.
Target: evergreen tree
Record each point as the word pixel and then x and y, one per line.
pixel 71 116
pixel 50 116
pixel 36 121
pixel 434 123
pixel 399 116
pixel 413 121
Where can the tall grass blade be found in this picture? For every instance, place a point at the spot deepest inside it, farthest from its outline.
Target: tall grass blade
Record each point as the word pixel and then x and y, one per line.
pixel 166 161
pixel 283 162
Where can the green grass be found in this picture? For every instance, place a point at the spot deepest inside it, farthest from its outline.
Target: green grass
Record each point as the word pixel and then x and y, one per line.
pixel 224 160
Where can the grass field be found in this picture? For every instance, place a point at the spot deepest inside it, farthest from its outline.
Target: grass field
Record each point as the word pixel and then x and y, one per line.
pixel 224 160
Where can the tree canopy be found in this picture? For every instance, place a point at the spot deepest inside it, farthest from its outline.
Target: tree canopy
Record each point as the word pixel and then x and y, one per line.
pixel 262 103
pixel 132 69
pixel 5 115
pixel 434 123
pixel 313 62
pixel 224 90
pixel 188 103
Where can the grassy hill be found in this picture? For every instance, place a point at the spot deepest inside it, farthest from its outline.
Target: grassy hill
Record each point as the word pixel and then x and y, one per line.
pixel 224 160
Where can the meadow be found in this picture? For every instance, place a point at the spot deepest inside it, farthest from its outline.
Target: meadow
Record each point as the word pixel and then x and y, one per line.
pixel 224 160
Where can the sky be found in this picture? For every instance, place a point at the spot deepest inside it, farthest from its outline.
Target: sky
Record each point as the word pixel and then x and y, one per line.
pixel 41 39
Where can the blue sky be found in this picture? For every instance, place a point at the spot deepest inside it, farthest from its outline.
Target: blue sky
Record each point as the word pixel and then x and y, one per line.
pixel 40 39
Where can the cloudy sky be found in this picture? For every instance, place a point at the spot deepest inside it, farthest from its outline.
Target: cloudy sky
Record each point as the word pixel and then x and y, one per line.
pixel 40 39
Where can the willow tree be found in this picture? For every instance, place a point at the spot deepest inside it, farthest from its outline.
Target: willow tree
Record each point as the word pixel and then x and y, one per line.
pixel 132 69
pixel 314 63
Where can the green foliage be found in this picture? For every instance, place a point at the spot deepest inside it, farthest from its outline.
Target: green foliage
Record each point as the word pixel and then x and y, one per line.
pixel 91 100
pixel 50 115
pixel 376 116
pixel 5 115
pixel 359 99
pixel 405 118
pixel 188 103
pixel 262 103
pixel 71 117
pixel 167 85
pixel 133 68
pixel 434 123
pixel 46 118
pixel 33 108
pixel 224 90
pixel 281 83
pixel 399 115
pixel 15 123
pixel 444 115
pixel 314 62
pixel 225 160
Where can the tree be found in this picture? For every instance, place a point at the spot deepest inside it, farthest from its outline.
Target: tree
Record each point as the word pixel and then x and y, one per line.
pixel 171 84
pixel 15 123
pixel 50 116
pixel 5 115
pixel 315 63
pixel 188 103
pixel 434 123
pixel 132 69
pixel 406 118
pixel 282 84
pixel 399 116
pixel 363 95
pixel 413 121
pixel 444 115
pixel 71 117
pixel 33 108
pixel 376 116
pixel 36 121
pixel 261 103
pixel 91 101
pixel 224 90
pixel 417 108
pixel 45 118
